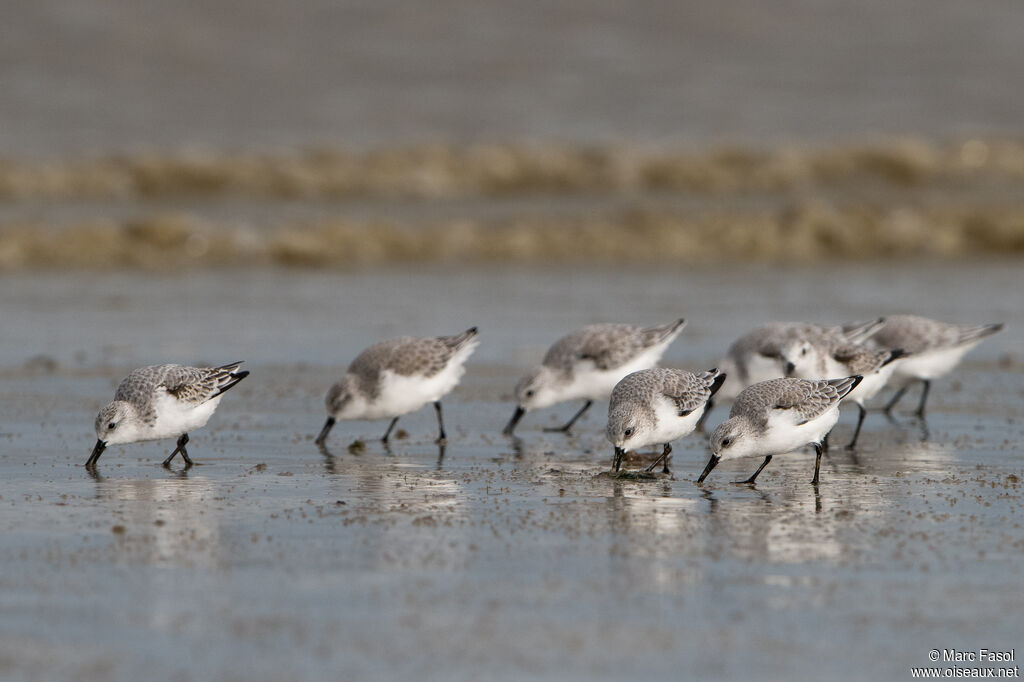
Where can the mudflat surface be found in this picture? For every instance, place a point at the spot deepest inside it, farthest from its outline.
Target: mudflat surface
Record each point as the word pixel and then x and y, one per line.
pixel 498 558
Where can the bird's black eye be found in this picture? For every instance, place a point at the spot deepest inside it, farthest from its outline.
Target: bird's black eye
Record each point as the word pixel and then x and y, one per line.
pixel 529 394
pixel 803 351
pixel 112 425
pixel 628 432
pixel 726 442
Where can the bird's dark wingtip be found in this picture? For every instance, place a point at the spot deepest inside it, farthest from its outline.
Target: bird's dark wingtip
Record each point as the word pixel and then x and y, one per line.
pixel 717 381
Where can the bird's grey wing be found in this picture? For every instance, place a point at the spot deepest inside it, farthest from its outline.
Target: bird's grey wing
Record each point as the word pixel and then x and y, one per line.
pixel 137 388
pixel 652 336
pixel 384 355
pixel 859 359
pixel 807 399
pixel 859 332
pixel 811 399
pixel 406 356
pixel 610 346
pixel 424 357
pixel 196 385
pixel 687 391
pixel 458 341
pixel 914 334
pixel 969 334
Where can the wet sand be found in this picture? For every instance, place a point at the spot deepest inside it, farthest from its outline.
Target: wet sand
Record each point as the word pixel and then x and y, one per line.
pixel 500 559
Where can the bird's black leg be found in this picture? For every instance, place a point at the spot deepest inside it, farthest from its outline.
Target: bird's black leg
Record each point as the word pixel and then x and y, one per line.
pixel 665 452
pixel 388 432
pixel 856 431
pixel 924 398
pixel 322 438
pixel 181 448
pixel 568 425
pixel 753 477
pixel 817 463
pixel 895 399
pixel 441 438
pixel 710 405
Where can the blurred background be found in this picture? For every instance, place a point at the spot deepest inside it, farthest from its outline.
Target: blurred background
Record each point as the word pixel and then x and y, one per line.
pixel 197 134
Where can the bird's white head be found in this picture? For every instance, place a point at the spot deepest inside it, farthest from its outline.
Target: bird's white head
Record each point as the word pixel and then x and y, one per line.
pixel 801 359
pixel 343 400
pixel 538 389
pixel 117 423
pixel 629 426
pixel 734 438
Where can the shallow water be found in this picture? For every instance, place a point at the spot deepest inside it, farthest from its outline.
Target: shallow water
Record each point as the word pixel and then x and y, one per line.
pixel 499 559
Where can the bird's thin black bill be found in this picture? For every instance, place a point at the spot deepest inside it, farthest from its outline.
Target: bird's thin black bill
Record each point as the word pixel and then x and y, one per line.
pixel 510 427
pixel 712 463
pixel 617 458
pixel 324 431
pixel 96 452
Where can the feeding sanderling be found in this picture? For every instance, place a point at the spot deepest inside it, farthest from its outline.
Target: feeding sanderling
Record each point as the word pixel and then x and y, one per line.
pixel 160 402
pixel 934 349
pixel 779 416
pixel 398 376
pixel 821 356
pixel 757 355
pixel 656 406
pixel 587 364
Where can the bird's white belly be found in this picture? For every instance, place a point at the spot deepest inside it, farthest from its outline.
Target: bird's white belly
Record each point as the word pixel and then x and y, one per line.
pixel 175 417
pixel 592 384
pixel 872 383
pixel 759 368
pixel 930 365
pixel 403 394
pixel 784 435
pixel 669 425
pixel 596 384
pixel 732 385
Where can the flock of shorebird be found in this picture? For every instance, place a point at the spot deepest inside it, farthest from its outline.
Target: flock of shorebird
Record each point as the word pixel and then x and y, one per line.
pixel 785 380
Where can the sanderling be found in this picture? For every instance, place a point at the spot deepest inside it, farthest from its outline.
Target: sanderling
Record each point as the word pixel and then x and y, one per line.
pixel 779 416
pixel 757 355
pixel 821 356
pixel 657 406
pixel 587 363
pixel 398 376
pixel 160 402
pixel 934 348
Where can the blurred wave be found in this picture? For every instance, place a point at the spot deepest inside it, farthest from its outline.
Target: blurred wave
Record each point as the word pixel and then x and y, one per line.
pixel 444 171
pixel 436 202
